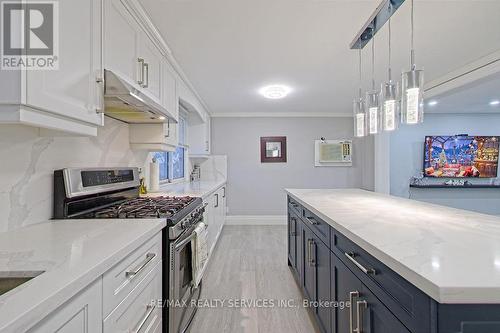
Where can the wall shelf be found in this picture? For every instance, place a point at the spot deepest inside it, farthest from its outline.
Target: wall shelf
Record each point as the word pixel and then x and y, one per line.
pixel 455 186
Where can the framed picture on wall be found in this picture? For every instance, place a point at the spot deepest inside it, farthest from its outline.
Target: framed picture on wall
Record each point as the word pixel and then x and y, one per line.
pixel 273 149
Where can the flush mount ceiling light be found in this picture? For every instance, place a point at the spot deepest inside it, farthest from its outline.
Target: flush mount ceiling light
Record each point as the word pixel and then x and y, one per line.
pixel 275 91
pixel 495 102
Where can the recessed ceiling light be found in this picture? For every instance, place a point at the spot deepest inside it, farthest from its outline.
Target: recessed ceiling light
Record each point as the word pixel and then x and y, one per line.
pixel 495 102
pixel 275 91
pixel 432 103
pixel 161 118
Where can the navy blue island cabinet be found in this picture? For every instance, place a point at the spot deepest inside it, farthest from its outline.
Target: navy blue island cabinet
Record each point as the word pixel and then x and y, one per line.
pixel 349 291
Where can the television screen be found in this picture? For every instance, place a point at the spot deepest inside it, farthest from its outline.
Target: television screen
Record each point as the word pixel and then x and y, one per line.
pixel 461 156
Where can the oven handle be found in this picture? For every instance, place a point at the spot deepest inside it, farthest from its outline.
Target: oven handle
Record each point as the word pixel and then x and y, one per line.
pixel 185 241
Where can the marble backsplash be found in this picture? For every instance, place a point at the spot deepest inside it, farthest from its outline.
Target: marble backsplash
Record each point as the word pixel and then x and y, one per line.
pixel 29 159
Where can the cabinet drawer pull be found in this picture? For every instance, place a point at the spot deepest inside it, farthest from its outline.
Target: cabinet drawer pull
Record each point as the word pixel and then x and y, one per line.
pixel 352 296
pixel 216 200
pixel 141 79
pixel 149 311
pixel 359 322
pixel 312 221
pixel 140 267
pixel 365 270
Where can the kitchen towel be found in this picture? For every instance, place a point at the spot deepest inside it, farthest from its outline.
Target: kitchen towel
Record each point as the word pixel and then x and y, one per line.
pixel 199 249
pixel 154 176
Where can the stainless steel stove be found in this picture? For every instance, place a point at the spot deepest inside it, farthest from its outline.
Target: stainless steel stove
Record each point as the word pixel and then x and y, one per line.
pixel 102 193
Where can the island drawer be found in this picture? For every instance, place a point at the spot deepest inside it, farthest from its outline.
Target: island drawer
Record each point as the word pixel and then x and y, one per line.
pixel 319 227
pixel 406 301
pixel 120 280
pixel 294 206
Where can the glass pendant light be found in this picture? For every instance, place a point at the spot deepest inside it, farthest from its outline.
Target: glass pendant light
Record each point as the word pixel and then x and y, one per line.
pixel 372 100
pixel 413 88
pixel 389 97
pixel 360 128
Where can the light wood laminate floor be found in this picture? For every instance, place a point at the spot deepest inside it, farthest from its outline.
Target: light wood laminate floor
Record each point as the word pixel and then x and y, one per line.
pixel 250 263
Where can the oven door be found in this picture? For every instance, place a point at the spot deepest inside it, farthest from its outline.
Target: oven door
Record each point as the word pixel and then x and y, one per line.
pixel 182 292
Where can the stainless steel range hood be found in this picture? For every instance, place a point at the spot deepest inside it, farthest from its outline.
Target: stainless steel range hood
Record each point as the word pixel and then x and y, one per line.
pixel 124 101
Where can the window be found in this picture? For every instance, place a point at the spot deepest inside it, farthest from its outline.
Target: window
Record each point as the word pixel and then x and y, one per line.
pixel 162 158
pixel 172 163
pixel 177 163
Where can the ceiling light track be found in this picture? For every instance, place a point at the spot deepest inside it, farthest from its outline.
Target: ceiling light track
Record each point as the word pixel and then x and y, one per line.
pixel 380 16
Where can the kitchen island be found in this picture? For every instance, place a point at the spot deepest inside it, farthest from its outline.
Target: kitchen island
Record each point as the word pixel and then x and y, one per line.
pixel 407 266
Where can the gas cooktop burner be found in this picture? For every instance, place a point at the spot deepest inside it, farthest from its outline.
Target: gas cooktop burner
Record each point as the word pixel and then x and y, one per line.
pixel 154 207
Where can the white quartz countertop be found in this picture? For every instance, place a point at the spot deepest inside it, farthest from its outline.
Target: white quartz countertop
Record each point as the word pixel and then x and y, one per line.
pixel 452 255
pixel 72 253
pixel 201 188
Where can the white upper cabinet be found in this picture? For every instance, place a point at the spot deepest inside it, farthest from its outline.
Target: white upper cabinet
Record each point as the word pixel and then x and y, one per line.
pixel 152 69
pixel 170 91
pixel 199 138
pixel 121 41
pixel 69 98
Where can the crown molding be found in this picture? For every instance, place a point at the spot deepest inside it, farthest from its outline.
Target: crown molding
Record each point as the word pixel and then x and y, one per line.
pixel 280 115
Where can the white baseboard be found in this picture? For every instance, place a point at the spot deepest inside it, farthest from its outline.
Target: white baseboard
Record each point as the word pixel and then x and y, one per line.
pixel 256 220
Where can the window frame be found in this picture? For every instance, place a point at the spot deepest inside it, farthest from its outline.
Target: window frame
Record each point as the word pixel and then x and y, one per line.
pixel 170 179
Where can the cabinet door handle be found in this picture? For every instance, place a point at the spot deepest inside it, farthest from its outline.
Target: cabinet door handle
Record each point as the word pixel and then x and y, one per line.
pixel 168 128
pixel 141 76
pixel 352 296
pixel 311 220
pixel 206 146
pixel 146 83
pixel 99 108
pixel 149 311
pixel 216 200
pixel 308 251
pixel 224 192
pixel 313 253
pixel 141 266
pixel 360 305
pixel 365 270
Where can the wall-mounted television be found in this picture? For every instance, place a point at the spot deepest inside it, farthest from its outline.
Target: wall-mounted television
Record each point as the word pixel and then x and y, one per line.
pixel 461 156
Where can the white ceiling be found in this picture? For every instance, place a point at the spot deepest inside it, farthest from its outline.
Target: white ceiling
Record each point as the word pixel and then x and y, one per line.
pixel 470 98
pixel 230 48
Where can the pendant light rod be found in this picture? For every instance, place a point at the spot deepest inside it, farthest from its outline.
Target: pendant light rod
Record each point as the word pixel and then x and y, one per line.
pixel 390 52
pixel 373 64
pixel 412 52
pixel 360 76
pixel 375 22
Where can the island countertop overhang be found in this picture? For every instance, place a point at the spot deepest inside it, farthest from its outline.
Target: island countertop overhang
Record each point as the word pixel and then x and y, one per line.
pixel 451 255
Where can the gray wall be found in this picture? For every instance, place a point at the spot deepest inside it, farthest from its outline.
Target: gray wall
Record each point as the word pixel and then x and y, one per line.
pixel 407 147
pixel 257 189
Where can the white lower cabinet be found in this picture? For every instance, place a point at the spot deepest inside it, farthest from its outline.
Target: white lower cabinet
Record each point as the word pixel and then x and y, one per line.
pixel 126 298
pixel 215 215
pixel 139 311
pixel 82 313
